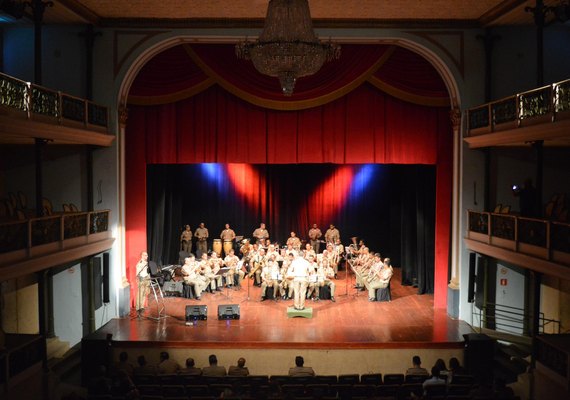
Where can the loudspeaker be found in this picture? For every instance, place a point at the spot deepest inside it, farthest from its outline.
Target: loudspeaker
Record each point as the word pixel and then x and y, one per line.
pixel 106 278
pixel 228 311
pixel 479 355
pixel 480 282
pixel 172 288
pixel 97 277
pixel 471 285
pixel 199 312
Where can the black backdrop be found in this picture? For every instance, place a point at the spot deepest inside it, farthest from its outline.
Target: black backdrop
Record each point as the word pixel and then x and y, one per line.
pixel 394 214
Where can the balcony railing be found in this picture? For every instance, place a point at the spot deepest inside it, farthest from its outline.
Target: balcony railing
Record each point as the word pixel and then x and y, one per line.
pixel 59 230
pixel 546 104
pixel 546 239
pixel 39 103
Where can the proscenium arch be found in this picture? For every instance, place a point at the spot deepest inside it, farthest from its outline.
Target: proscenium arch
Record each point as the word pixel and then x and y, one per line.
pixel 147 54
pixel 449 75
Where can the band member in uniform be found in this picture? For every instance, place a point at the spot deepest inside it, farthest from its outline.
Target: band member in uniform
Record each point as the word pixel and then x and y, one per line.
pixel 227 235
pixel 258 261
pixel 191 272
pixel 332 256
pixel 216 263
pixel 143 280
pixel 315 236
pixel 261 234
pixel 325 273
pixel 186 240
pixel 362 265
pixel 332 234
pixel 235 274
pixel 309 251
pixel 201 234
pixel 294 241
pixel 380 277
pixel 206 270
pixel 313 286
pixel 269 278
pixel 353 248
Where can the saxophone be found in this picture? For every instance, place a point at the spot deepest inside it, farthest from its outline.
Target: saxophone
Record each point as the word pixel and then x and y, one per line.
pixel 257 265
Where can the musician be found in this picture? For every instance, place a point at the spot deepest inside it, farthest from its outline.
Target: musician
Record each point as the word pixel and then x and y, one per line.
pixel 258 261
pixel 325 273
pixel 216 264
pixel 353 248
pixel 269 278
pixel 227 235
pixel 235 274
pixel 202 235
pixel 332 256
pixel 290 249
pixel 298 273
pixel 380 279
pixel 309 251
pixel 261 234
pixel 186 240
pixel 294 241
pixel 332 234
pixel 143 279
pixel 313 286
pixel 339 249
pixel 192 275
pixel 272 252
pixel 206 270
pixel 362 265
pixel 315 236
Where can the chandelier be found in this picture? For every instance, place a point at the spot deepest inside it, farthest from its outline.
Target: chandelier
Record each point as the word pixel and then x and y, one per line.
pixel 288 47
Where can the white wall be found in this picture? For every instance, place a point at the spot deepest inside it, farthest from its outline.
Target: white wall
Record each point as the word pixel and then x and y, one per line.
pixel 67 303
pixel 510 295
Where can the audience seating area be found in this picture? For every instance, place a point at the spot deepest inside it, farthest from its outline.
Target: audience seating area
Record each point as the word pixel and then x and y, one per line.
pixel 276 387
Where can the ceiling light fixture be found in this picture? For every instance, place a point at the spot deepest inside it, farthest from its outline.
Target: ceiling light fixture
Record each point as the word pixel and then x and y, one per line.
pixel 288 48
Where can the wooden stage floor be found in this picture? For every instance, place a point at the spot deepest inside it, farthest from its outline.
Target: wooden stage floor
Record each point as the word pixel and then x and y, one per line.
pixel 353 322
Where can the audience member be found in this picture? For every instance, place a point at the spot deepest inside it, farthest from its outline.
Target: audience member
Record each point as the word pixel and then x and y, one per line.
pixel 213 369
pixel 190 368
pixel 124 365
pixel 417 367
pixel 440 364
pixel 143 368
pixel 299 369
pixel 100 384
pixel 124 387
pixel 166 365
pixel 454 369
pixel 434 380
pixel 240 369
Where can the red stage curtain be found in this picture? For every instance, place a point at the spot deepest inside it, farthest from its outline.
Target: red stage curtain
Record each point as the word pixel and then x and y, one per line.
pixel 365 126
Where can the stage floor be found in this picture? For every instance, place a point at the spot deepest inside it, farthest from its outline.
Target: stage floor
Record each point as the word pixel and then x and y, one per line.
pixel 353 322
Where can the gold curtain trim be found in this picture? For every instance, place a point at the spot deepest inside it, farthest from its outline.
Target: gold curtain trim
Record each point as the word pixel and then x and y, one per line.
pixel 172 97
pixel 290 105
pixel 407 96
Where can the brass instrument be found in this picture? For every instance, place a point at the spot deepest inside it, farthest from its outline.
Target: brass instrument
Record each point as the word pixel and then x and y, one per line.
pixel 256 267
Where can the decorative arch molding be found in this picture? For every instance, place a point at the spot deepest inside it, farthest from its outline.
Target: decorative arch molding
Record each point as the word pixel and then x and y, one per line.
pixel 130 71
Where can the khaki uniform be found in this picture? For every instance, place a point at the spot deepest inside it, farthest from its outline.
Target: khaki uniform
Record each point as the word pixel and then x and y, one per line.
pixel 235 275
pixel 332 235
pixel 261 235
pixel 227 235
pixel 143 279
pixel 186 241
pixel 380 280
pixel 202 245
pixel 192 276
pixel 314 236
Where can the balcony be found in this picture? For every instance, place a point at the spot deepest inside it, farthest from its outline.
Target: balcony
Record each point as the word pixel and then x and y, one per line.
pixel 35 244
pixel 29 111
pixel 540 245
pixel 539 114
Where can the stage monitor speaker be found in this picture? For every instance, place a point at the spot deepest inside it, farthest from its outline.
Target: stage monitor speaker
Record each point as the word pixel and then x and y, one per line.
pixel 172 288
pixel 194 313
pixel 471 286
pixel 106 278
pixel 228 311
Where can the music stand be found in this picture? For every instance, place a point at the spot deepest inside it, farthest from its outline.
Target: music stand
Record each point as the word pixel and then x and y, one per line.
pixel 223 273
pixel 155 277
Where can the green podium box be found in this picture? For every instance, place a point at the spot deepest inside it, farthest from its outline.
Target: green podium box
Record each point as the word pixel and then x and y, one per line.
pixel 304 313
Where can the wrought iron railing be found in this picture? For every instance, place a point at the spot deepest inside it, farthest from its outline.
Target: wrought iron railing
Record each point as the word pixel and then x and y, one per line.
pixel 510 319
pixel 36 101
pixel 21 235
pixel 546 234
pixel 545 102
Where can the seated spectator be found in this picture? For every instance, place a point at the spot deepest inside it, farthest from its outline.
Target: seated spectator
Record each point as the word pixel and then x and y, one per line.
pixel 299 369
pixel 166 365
pixel 124 387
pixel 143 368
pixel 190 368
pixel 213 369
pixel 440 364
pixel 454 369
pixel 502 391
pixel 124 365
pixel 434 380
pixel 417 367
pixel 99 384
pixel 240 369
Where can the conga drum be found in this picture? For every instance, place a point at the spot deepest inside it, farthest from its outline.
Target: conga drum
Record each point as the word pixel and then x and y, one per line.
pixel 228 245
pixel 217 246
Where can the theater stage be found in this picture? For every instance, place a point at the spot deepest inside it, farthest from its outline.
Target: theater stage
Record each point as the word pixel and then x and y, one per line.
pixel 370 330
